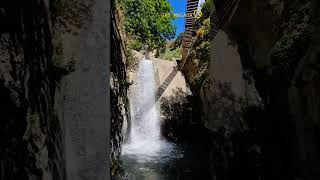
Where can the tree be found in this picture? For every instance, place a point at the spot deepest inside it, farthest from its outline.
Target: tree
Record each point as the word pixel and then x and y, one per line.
pixel 149 22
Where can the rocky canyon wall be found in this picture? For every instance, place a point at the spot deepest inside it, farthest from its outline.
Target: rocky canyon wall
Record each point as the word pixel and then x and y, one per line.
pixel 233 102
pixel 41 42
pixel 31 126
pixel 261 95
pixel 119 86
pixel 279 45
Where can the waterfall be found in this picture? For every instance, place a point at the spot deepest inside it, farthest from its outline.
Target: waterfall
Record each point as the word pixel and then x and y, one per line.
pixel 145 121
pixel 145 137
pixel 146 155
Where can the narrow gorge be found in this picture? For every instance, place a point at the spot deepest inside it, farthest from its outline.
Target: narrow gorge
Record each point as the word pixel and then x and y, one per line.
pixel 254 103
pixel 160 89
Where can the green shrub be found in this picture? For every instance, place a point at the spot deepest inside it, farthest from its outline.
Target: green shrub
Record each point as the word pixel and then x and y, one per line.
pixel 172 54
pixel 135 45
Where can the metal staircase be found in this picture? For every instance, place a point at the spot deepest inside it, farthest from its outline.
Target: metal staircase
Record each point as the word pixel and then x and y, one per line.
pixel 215 24
pixel 192 6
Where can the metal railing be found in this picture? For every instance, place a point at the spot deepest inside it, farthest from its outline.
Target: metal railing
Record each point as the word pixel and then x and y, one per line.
pixel 215 24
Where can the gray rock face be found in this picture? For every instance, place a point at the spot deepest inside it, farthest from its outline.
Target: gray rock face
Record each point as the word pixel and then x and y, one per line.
pixel 277 46
pixel 30 127
pixel 261 97
pixel 118 91
pixel 230 96
pixel 86 104
pixel 227 87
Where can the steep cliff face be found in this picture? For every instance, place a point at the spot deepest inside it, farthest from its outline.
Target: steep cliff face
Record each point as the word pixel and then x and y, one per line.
pixel 225 104
pixel 260 96
pixel 280 47
pixel 263 92
pixel 31 129
pixel 86 106
pixel 119 87
pixel 233 102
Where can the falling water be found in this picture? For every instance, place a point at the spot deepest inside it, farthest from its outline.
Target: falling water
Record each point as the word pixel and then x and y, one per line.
pixel 145 122
pixel 146 152
pixel 145 138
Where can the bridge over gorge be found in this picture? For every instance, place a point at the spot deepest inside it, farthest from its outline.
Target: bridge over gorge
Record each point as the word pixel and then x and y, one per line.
pixel 218 19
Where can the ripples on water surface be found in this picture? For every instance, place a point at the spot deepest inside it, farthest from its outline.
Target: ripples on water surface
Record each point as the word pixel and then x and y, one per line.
pixel 170 162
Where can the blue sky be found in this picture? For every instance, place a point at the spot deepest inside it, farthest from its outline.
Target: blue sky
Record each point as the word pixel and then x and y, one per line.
pixel 179 6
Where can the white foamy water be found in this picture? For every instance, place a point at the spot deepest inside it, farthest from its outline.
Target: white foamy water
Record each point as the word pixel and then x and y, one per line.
pixel 145 143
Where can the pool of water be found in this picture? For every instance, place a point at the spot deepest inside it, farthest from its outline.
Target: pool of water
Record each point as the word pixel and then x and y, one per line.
pixel 170 162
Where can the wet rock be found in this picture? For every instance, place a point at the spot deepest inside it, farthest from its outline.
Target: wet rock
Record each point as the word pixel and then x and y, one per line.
pixel 31 132
pixel 120 123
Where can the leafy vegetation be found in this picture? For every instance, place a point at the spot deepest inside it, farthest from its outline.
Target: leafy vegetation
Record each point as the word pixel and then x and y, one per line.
pixel 177 42
pixel 172 50
pixel 135 45
pixel 173 54
pixel 200 46
pixel 148 23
